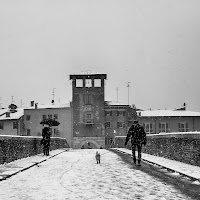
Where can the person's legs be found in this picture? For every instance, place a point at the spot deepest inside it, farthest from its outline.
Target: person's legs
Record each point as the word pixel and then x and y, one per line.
pixel 48 147
pixel 139 148
pixel 44 150
pixel 133 153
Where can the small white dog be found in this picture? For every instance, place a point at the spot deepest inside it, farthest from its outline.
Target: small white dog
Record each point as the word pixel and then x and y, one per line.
pixel 98 157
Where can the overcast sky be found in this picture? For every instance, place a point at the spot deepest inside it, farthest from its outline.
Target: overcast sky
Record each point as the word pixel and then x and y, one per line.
pixel 153 44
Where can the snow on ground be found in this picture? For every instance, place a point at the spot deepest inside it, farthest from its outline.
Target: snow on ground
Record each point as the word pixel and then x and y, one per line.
pixel 75 175
pixel 190 170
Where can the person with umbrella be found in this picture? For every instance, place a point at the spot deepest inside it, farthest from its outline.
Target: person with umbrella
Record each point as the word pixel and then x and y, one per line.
pixel 46 134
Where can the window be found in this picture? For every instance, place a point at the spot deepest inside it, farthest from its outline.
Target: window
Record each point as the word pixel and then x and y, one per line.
pixel 97 82
pixel 130 123
pixel 28 117
pixel 28 132
pixel 88 99
pixel 55 116
pixel 55 132
pixel 163 127
pixel 120 124
pixel 107 125
pixel 121 113
pixel 183 127
pixel 1 125
pixel 15 125
pixel 88 82
pixel 79 82
pixel 108 113
pixel 50 116
pixel 88 118
pixel 148 127
pixel 108 141
pixel 44 117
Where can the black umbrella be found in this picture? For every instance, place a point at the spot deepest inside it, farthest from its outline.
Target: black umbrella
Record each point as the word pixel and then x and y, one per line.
pixel 50 122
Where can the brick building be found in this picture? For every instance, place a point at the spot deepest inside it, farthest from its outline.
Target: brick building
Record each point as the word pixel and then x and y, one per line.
pixel 88 110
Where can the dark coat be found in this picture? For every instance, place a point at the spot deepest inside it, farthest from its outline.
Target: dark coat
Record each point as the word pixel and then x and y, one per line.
pixel 46 134
pixel 137 135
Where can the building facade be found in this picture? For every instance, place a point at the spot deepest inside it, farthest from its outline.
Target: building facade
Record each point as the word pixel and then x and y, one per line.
pixel 118 119
pixel 36 113
pixel 88 110
pixel 12 121
pixel 168 121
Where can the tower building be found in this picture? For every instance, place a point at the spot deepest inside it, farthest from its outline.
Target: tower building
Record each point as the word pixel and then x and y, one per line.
pixel 88 108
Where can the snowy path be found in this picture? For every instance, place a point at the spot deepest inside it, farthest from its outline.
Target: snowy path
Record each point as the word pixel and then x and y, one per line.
pixel 75 175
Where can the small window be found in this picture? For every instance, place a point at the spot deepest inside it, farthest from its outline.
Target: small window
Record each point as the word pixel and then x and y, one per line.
pixel 55 132
pixel 50 116
pixel 44 117
pixel 79 82
pixel 55 116
pixel 120 124
pixel 163 127
pixel 107 125
pixel 28 132
pixel 97 82
pixel 1 125
pixel 108 141
pixel 89 118
pixel 183 127
pixel 28 117
pixel 130 123
pixel 88 99
pixel 122 113
pixel 148 127
pixel 108 113
pixel 88 82
pixel 15 125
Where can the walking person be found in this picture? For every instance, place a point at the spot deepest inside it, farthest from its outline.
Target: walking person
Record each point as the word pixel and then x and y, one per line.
pixel 138 138
pixel 46 134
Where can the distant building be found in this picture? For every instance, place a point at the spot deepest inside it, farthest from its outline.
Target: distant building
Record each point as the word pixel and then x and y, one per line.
pixel 88 110
pixel 36 113
pixel 167 121
pixel 96 122
pixel 12 121
pixel 118 119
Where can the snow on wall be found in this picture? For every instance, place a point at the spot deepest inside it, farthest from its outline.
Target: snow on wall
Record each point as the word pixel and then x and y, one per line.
pixel 17 147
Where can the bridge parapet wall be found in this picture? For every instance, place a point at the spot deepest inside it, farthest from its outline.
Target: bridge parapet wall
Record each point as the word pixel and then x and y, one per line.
pixel 183 147
pixel 17 147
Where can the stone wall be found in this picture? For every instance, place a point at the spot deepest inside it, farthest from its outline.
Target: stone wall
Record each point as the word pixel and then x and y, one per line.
pixel 183 147
pixel 16 147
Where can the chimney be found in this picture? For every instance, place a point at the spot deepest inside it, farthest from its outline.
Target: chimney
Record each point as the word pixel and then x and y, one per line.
pixel 184 106
pixel 36 105
pixel 7 114
pixel 32 103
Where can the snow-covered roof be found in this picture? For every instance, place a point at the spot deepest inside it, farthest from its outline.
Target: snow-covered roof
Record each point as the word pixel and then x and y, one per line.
pixel 168 113
pixel 114 103
pixel 15 115
pixel 48 106
pixel 2 111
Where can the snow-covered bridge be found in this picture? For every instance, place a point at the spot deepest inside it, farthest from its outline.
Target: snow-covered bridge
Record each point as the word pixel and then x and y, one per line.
pixel 74 174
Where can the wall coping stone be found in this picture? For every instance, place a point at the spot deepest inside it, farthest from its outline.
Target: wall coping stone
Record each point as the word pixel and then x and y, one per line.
pixel 194 135
pixel 3 137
